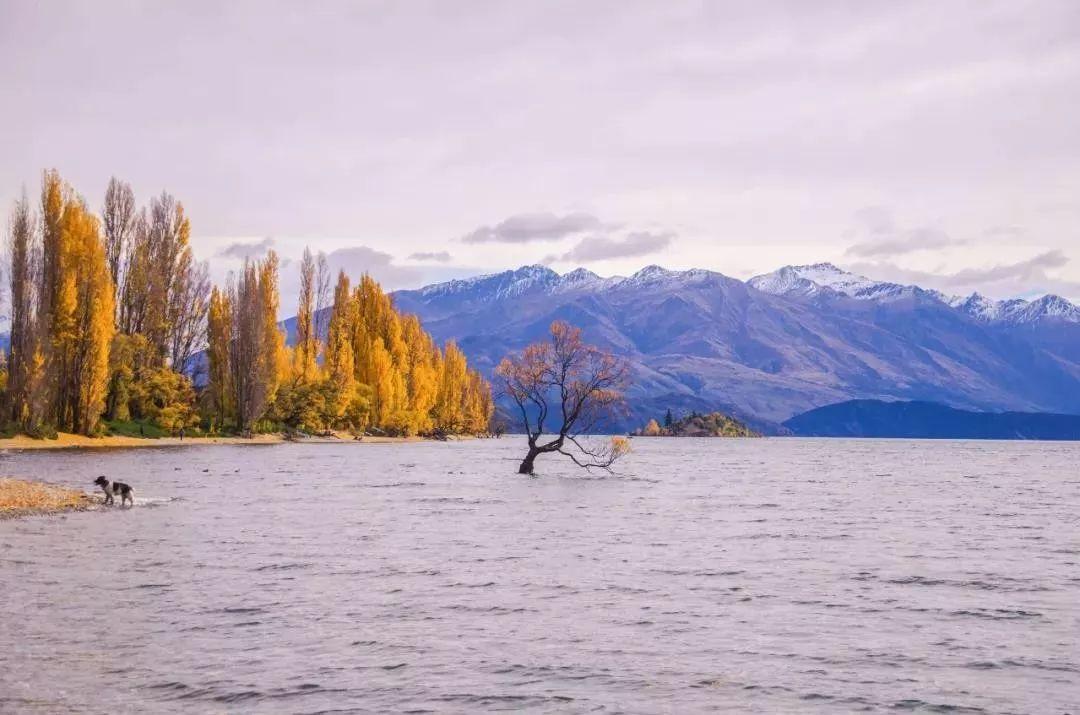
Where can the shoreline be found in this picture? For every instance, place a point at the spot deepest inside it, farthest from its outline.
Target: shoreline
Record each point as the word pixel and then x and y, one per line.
pixel 74 441
pixel 24 497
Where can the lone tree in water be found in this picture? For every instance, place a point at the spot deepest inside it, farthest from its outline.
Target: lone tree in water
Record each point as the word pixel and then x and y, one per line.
pixel 572 386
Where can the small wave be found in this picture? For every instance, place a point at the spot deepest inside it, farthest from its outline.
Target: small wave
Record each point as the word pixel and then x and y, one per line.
pixel 992 583
pixel 915 704
pixel 284 567
pixel 493 610
pixel 242 609
pixel 997 614
pixel 155 502
pixel 491 700
pixel 699 572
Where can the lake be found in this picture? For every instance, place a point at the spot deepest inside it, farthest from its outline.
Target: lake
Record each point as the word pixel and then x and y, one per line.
pixel 775 575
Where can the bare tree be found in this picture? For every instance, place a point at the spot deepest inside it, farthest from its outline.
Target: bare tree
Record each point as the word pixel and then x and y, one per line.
pixel 24 255
pixel 188 304
pixel 118 219
pixel 306 339
pixel 168 245
pixel 136 277
pixel 573 385
pixel 323 296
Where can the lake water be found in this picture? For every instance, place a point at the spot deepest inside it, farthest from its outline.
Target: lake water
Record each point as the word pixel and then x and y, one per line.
pixel 779 575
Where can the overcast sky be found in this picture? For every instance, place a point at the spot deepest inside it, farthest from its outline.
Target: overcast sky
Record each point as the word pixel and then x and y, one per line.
pixel 935 142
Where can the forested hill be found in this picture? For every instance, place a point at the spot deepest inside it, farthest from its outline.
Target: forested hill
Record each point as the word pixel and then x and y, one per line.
pixel 929 420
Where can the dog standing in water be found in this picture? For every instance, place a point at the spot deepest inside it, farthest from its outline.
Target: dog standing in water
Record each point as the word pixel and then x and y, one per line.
pixel 111 489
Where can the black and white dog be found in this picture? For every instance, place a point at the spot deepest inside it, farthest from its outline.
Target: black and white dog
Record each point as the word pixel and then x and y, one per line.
pixel 111 489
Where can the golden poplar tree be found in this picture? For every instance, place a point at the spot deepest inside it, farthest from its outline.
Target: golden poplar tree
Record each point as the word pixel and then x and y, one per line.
pixel 219 330
pixel 450 401
pixel 81 318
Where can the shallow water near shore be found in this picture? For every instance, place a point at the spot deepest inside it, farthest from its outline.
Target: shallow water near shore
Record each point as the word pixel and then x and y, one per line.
pixel 775 575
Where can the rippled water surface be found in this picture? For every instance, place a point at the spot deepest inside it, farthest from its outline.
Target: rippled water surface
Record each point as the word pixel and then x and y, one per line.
pixel 749 575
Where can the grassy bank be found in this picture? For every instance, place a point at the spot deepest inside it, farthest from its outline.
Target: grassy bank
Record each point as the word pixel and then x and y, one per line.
pixel 23 498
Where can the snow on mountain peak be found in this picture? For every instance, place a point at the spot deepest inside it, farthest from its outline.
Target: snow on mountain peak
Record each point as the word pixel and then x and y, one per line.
pixel 496 285
pixel 789 281
pixel 1047 307
pixel 649 274
pixel 808 280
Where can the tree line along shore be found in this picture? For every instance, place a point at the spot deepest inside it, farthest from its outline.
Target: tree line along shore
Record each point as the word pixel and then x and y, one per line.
pixel 117 330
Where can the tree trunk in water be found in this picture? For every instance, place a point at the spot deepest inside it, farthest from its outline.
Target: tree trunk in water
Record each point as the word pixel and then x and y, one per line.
pixel 527 464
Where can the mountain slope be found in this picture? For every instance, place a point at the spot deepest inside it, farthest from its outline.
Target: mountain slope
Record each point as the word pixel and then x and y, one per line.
pixel 699 340
pixel 929 420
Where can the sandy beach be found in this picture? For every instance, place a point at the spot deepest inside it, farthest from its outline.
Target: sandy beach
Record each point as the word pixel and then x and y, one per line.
pixel 19 497
pixel 74 441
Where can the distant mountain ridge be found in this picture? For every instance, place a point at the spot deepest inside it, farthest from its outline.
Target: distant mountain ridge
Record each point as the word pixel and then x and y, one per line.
pixel 776 345
pixel 929 420
pixel 808 280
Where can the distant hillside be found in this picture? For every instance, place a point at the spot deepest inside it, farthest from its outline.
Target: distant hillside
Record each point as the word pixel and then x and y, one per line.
pixel 715 424
pixel 929 420
pixel 775 346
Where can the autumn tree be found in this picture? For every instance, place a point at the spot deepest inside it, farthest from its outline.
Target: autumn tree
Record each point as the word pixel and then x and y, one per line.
pixel 77 308
pixel 340 363
pixel 256 345
pixel 218 354
pixel 570 387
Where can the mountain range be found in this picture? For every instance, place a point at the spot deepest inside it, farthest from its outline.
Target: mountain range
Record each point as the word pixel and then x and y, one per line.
pixel 778 344
pixel 929 420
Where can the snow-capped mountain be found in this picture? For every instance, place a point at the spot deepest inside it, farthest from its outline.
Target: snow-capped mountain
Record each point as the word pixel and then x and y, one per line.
pixel 508 284
pixel 809 280
pixel 497 286
pixel 804 281
pixel 793 282
pixel 1017 311
pixel 779 344
pixel 1049 307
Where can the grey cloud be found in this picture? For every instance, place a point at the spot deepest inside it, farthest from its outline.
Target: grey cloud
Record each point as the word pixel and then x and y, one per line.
pixel 241 250
pixel 524 228
pixel 1031 270
pixel 357 260
pixel 1001 280
pixel 600 248
pixel 436 256
pixel 883 238
pixel 918 239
